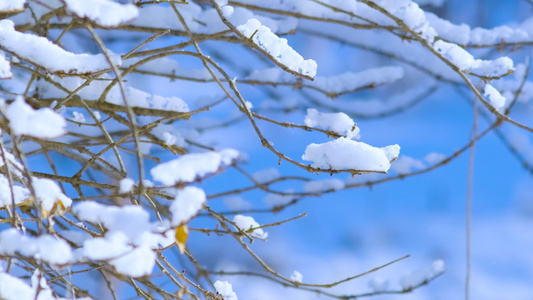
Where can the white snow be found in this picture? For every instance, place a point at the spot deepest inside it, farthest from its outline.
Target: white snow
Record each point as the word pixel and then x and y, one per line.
pixel 464 35
pixel 190 167
pixel 391 151
pixel 45 247
pixel 522 141
pixel 436 3
pixel 274 74
pixel 113 245
pixel 136 97
pixel 169 138
pixel 350 81
pixel 483 36
pixel 508 86
pixel 168 66
pixel 225 289
pixel 129 239
pixel 5 67
pixel 296 276
pixel 169 134
pixel 318 186
pixel 237 203
pixel 337 84
pixel 206 20
pixel 43 123
pixel 78 117
pixel 277 199
pixel 378 284
pixel 411 15
pixel 277 47
pixel 311 8
pixel 12 163
pixel 343 153
pixel 13 288
pixel 41 51
pixel 136 263
pixel 53 250
pixel 50 196
pixel 21 193
pixel 434 158
pixel 340 123
pixel 451 32
pixel 266 175
pixel 413 279
pixel 132 220
pixel 126 185
pixel 495 98
pixel 466 62
pixel 11 5
pixel 103 12
pixel 188 202
pixel 245 223
pixel 405 164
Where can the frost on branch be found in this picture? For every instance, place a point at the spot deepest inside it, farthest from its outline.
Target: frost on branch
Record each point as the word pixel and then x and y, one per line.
pixel 43 123
pixel 190 167
pixel 277 47
pixel 42 52
pixel 105 13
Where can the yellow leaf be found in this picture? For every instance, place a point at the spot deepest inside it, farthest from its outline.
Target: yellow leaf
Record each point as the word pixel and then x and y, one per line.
pixel 181 237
